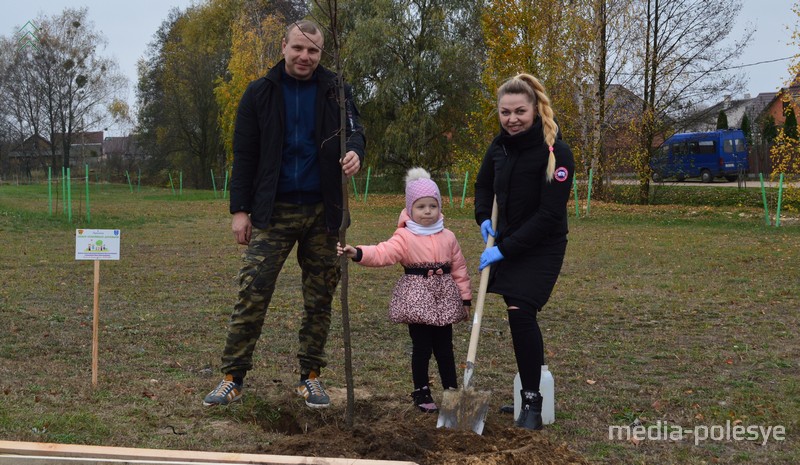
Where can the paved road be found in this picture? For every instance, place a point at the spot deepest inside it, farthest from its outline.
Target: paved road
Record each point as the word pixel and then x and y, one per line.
pixel 717 183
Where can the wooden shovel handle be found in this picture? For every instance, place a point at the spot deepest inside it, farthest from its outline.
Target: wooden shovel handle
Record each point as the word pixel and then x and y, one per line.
pixel 478 314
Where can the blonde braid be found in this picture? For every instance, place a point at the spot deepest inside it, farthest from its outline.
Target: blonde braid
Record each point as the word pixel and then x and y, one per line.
pixel 548 122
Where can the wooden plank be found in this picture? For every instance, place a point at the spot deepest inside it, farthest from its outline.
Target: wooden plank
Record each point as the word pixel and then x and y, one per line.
pixel 27 460
pixel 38 453
pixel 38 460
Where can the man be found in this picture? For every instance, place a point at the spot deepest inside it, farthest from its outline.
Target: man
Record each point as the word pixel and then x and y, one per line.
pixel 286 189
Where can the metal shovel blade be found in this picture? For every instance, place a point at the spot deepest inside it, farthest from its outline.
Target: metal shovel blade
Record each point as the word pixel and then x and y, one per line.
pixel 464 409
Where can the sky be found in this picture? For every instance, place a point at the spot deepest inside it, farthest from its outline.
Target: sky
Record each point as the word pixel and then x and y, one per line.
pixel 774 22
pixel 129 26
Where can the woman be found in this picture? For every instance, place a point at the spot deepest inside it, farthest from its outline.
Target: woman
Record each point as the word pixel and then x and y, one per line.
pixel 529 170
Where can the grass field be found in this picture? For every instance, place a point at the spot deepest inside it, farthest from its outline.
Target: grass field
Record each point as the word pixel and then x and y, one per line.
pixel 684 316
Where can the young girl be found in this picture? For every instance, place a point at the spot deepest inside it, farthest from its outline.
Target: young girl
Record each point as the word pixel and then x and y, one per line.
pixel 435 290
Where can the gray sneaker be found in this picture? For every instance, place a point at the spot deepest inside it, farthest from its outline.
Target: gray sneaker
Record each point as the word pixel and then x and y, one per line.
pixel 227 391
pixel 314 392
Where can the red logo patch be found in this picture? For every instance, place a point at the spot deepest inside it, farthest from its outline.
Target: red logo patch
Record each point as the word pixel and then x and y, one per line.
pixel 561 174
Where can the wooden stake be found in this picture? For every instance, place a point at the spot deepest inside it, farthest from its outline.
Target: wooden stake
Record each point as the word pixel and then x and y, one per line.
pixel 95 322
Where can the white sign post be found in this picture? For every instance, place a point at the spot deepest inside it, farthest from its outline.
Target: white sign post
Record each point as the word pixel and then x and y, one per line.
pixel 96 244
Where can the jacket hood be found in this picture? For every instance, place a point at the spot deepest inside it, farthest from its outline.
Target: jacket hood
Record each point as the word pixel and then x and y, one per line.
pixel 401 222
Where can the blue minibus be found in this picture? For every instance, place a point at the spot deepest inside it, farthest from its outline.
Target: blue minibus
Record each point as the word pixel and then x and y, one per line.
pixel 704 155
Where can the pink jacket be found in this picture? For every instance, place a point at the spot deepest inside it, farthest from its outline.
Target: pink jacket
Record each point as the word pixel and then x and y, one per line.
pixel 407 248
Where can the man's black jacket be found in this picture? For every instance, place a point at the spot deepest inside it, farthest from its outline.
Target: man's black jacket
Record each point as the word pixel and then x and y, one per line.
pixel 258 145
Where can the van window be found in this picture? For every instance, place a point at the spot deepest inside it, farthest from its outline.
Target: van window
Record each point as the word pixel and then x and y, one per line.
pixel 739 145
pixel 706 147
pixel 727 146
pixel 679 149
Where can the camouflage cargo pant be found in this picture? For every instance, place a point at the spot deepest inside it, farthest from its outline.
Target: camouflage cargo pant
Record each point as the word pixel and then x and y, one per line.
pixel 263 260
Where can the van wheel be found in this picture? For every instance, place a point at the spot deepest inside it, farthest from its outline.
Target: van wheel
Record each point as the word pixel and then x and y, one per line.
pixel 705 176
pixel 657 177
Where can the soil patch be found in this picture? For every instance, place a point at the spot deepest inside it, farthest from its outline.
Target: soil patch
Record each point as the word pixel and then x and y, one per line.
pixel 384 429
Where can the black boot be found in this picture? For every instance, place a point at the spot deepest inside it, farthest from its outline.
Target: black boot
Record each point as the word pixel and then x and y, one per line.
pixel 530 414
pixel 424 401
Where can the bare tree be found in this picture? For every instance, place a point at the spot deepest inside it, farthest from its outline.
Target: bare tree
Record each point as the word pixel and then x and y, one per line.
pixel 607 26
pixel 680 60
pixel 20 97
pixel 74 83
pixel 6 123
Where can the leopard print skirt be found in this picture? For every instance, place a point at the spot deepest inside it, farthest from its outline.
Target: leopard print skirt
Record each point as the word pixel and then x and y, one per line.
pixel 432 299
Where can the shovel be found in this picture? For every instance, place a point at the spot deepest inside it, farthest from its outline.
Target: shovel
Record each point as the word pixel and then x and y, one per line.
pixel 466 408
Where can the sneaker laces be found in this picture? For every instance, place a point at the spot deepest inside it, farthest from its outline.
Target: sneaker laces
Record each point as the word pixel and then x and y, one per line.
pixel 314 386
pixel 225 386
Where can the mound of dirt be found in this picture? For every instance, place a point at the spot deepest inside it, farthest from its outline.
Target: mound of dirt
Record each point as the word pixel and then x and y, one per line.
pixel 384 429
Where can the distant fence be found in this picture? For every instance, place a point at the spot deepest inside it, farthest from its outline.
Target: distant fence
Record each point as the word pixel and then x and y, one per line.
pixel 69 193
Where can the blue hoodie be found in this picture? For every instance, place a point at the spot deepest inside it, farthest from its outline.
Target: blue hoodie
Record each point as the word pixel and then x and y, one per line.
pixel 299 181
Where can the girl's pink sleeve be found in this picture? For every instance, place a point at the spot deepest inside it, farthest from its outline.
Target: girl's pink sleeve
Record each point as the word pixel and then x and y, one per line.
pixel 385 253
pixel 458 268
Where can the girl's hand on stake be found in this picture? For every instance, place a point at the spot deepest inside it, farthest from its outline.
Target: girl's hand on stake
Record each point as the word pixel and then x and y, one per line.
pixel 348 250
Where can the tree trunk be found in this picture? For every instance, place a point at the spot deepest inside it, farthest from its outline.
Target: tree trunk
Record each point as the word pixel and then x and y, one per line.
pixel 599 159
pixel 345 279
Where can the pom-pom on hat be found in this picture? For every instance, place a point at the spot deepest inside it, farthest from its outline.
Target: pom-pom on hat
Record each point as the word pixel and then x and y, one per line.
pixel 419 185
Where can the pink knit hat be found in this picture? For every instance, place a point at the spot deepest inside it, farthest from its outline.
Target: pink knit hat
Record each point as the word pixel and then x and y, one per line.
pixel 419 185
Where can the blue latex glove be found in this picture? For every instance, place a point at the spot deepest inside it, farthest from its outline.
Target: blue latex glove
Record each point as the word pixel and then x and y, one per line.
pixel 486 230
pixel 489 256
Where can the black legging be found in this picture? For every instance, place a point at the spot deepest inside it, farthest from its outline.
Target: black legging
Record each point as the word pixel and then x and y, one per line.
pixel 436 340
pixel 528 344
